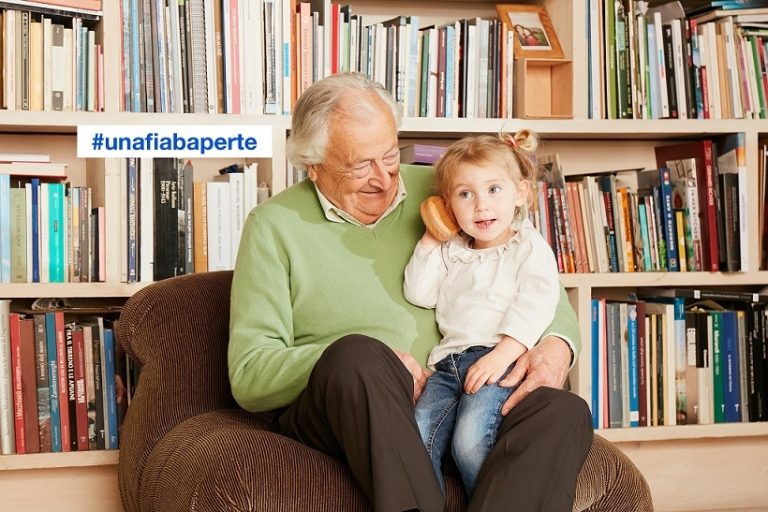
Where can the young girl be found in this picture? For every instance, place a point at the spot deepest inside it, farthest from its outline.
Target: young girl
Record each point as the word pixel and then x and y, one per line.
pixel 494 288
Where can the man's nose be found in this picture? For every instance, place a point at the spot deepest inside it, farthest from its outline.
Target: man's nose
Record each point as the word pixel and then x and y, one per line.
pixel 381 173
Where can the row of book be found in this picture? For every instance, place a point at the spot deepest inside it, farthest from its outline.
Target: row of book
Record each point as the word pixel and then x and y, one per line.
pixel 50 230
pixel 175 224
pixel 62 382
pixel 656 62
pixel 680 357
pixel 258 56
pixel 50 63
pixel 689 214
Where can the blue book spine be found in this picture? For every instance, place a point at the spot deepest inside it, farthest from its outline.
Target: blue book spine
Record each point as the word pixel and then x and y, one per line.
pixel 57 236
pixel 109 378
pixel 413 60
pixel 35 186
pixel 634 386
pixel 595 363
pixel 161 59
pixel 670 232
pixel 644 234
pixel 53 381
pixel 5 228
pixel 731 371
pixel 136 83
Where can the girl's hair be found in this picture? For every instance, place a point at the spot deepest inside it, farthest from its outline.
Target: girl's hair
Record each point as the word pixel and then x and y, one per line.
pixel 514 153
pixel 310 123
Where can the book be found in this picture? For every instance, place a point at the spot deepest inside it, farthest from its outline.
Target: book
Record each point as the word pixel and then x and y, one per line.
pixel 425 154
pixel 7 431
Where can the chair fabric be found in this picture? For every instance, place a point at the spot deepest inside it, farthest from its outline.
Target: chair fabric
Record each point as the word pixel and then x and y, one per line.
pixel 186 445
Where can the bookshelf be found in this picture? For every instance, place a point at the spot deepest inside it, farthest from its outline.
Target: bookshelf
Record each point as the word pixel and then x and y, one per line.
pixel 689 467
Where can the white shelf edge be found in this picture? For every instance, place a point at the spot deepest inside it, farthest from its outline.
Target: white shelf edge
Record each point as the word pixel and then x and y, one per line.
pixel 36 461
pixel 683 432
pixel 37 290
pixel 655 279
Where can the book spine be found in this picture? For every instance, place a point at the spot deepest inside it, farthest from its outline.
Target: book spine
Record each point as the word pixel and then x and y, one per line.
pixel 53 383
pixel 43 386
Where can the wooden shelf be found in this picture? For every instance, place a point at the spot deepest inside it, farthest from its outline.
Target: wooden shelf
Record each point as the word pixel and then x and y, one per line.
pixel 651 279
pixel 59 460
pixel 37 290
pixel 679 432
pixel 586 129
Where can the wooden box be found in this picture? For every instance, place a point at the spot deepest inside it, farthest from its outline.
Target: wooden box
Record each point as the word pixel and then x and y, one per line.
pixel 543 88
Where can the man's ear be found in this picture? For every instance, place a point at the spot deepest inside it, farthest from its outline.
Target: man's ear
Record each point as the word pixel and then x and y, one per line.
pixel 312 172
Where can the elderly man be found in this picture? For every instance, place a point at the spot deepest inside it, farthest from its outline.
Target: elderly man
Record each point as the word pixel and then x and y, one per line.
pixel 319 325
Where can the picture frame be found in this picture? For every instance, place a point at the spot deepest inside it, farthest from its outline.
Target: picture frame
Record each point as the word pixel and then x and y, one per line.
pixel 535 36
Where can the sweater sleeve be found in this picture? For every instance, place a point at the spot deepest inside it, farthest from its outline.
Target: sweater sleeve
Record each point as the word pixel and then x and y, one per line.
pixel 565 325
pixel 266 369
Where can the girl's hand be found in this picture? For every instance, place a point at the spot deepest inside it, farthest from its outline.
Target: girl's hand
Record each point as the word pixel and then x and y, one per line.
pixel 493 365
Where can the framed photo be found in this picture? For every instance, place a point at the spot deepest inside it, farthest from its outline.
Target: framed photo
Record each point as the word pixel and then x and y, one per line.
pixel 535 36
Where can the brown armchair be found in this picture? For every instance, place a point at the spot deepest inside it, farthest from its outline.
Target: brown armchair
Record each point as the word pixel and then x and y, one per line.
pixel 186 445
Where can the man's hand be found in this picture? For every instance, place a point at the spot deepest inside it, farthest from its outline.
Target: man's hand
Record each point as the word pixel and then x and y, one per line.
pixel 419 374
pixel 546 364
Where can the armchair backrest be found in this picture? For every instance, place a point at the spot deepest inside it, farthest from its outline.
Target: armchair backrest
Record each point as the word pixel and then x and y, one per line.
pixel 178 330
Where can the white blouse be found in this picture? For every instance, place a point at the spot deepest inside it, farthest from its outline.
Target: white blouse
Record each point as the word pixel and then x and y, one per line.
pixel 481 295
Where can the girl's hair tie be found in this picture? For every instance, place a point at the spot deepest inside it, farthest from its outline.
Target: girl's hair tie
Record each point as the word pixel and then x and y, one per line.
pixel 511 142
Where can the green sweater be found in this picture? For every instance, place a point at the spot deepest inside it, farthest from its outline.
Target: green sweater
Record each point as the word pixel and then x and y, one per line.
pixel 301 282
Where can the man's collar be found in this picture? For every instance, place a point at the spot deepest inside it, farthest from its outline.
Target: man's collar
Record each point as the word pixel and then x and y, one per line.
pixel 335 214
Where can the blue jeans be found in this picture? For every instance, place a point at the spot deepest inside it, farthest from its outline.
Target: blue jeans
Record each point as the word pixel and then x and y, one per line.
pixel 468 423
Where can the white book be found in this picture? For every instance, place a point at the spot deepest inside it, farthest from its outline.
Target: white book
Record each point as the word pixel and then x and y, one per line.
pixel 253 66
pixel 28 194
pixel 732 66
pixel 210 55
pixel 47 63
pixel 713 75
pixel 681 69
pixel 323 8
pixel 236 216
pixel 432 91
pixel 745 53
pixel 68 70
pixel 146 219
pixel 511 75
pixel 661 64
pixel 250 188
pixel 481 107
pixel 219 223
pixel 472 70
pixel 91 75
pixel 9 59
pixel 287 51
pixel 278 30
pixel 174 65
pixel 7 432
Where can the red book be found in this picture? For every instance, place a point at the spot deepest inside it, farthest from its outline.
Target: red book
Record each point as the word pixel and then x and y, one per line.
pixel 701 151
pixel 61 365
pixel 29 385
pixel 18 402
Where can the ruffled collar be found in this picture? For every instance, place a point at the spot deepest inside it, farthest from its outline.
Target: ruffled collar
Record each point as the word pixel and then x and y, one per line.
pixel 459 248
